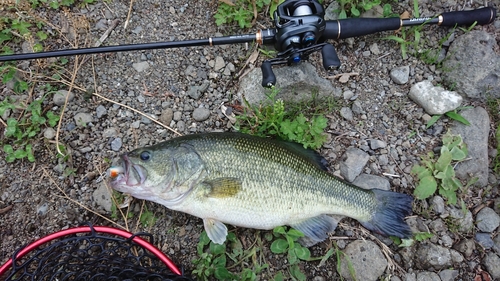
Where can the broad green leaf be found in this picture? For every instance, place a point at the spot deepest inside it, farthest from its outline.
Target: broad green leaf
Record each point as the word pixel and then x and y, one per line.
pixel 221 273
pixel 455 116
pixel 420 171
pixel 458 183
pixel 448 184
pixel 279 277
pixel 292 257
pixel 421 236
pixel 295 272
pixel 406 242
pixel 279 246
pixel 295 234
pixel 303 253
pixel 9 75
pixel 20 153
pixel 443 160
pixel 425 188
pixel 457 154
pixel 10 158
pixel 355 12
pixel 217 249
pixel 8 149
pixel 11 127
pixel 279 230
pixel 343 14
pixel 450 196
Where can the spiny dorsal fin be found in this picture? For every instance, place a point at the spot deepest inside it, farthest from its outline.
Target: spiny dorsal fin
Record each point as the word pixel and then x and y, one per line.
pixel 311 155
pixel 223 187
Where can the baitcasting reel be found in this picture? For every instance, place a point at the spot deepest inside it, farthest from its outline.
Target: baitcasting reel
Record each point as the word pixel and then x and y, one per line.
pixel 300 25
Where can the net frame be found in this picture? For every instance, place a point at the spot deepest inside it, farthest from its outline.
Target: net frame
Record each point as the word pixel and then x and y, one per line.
pixel 91 253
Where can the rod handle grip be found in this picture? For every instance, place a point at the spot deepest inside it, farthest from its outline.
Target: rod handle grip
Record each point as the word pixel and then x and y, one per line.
pixel 482 16
pixel 346 28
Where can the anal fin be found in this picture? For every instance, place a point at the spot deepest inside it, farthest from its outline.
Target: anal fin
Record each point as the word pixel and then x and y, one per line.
pixel 315 229
pixel 216 230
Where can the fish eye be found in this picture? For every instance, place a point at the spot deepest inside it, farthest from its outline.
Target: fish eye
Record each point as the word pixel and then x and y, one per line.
pixel 145 155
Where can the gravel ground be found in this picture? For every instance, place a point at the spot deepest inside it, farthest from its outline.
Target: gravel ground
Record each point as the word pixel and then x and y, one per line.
pixel 184 88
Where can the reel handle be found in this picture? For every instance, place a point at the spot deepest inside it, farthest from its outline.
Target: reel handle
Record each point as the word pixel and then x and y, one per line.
pixel 330 58
pixel 345 28
pixel 268 77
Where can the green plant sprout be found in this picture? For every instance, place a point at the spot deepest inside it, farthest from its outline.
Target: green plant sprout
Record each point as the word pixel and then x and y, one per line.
pixel 23 130
pixel 213 262
pixel 418 236
pixel 241 12
pixel 451 114
pixel 438 174
pixel 354 8
pixel 271 119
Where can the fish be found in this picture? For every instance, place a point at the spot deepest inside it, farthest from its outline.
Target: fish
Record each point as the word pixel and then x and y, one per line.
pixel 254 182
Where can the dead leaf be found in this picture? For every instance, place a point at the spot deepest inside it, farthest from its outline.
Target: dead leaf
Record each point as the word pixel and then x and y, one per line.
pixel 405 15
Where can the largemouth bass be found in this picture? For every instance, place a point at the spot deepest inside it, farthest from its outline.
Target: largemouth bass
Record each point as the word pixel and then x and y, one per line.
pixel 254 182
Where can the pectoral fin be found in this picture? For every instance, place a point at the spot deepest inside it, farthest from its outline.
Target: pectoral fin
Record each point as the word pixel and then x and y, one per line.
pixel 223 187
pixel 315 229
pixel 216 230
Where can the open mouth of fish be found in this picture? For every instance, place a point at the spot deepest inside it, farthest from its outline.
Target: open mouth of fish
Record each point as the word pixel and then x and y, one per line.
pixel 126 173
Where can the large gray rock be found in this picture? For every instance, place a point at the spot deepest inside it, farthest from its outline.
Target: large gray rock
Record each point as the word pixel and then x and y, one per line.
pixel 102 197
pixel 400 75
pixel 59 97
pixel 476 138
pixel 434 100
pixel 433 256
pixel 473 66
pixel 355 161
pixel 366 260
pixel 367 181
pixel 427 276
pixel 492 264
pixel 295 83
pixel 487 220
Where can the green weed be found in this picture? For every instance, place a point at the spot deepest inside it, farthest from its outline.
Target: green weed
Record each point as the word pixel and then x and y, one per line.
pixel 271 119
pixel 242 12
pixel 354 8
pixel 21 131
pixel 147 218
pixel 287 243
pixel 418 236
pixel 451 114
pixel 438 174
pixel 213 260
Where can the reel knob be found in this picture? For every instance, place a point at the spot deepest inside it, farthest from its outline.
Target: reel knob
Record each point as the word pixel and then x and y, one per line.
pixel 268 77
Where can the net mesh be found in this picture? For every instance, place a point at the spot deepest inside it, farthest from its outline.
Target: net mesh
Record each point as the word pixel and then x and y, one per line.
pixel 92 256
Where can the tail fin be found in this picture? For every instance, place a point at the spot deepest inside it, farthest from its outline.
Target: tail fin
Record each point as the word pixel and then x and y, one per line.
pixel 389 217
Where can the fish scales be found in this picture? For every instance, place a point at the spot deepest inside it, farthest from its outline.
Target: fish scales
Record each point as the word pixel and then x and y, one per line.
pixel 290 174
pixel 254 182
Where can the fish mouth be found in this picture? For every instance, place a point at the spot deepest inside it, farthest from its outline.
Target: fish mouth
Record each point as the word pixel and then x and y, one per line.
pixel 126 173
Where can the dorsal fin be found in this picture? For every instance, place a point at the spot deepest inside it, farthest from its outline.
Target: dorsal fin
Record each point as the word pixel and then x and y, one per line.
pixel 311 155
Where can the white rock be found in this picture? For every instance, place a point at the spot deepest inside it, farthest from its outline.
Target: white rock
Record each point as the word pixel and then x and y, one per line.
pixel 434 100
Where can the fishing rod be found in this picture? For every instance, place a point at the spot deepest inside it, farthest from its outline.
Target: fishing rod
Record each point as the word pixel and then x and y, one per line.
pixel 300 29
